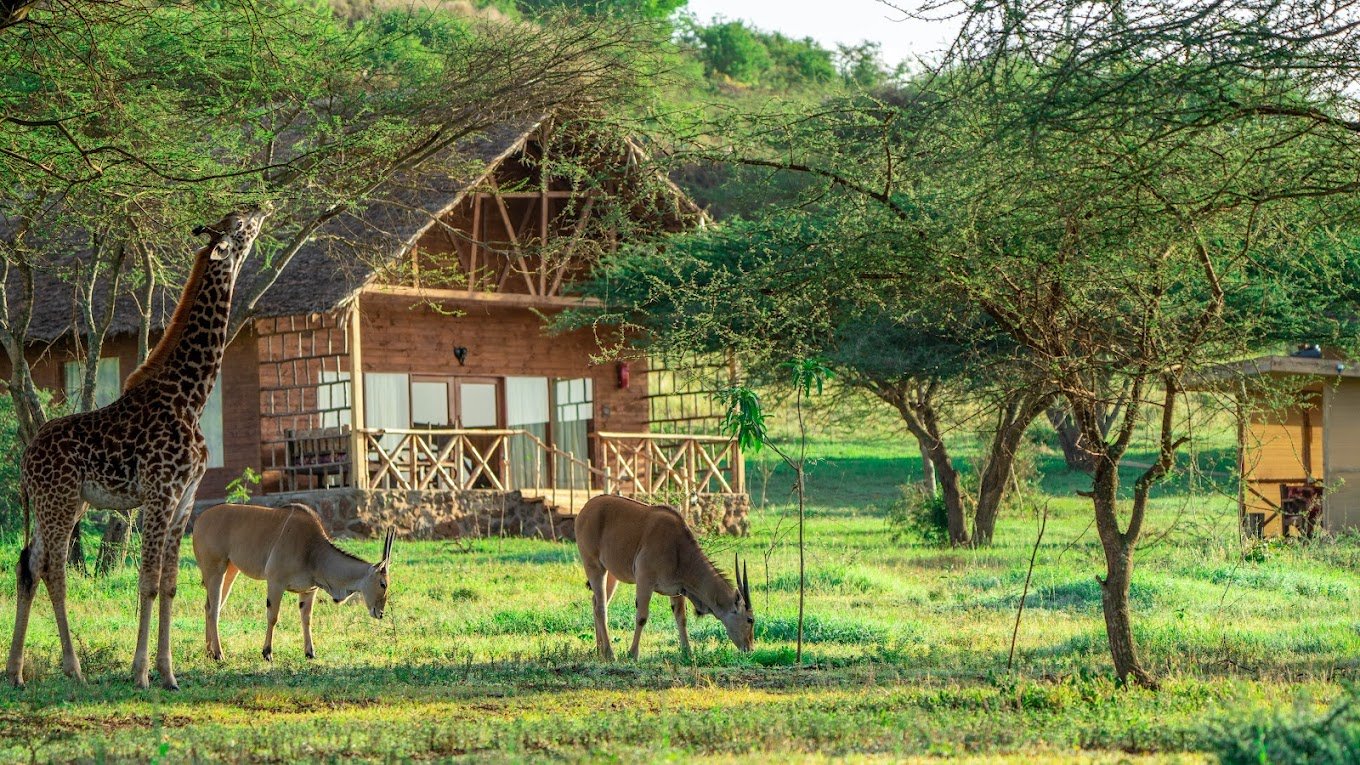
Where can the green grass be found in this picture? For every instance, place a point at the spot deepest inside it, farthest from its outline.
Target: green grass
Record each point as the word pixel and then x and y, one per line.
pixel 487 653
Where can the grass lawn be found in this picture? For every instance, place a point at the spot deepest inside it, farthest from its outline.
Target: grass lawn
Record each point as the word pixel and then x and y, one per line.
pixel 487 653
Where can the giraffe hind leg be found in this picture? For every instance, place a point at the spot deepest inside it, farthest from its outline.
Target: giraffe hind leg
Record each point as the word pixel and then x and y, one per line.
pixel 56 543
pixel 28 587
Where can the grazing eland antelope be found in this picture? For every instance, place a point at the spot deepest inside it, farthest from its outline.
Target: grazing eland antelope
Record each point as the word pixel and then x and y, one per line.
pixel 649 545
pixel 288 548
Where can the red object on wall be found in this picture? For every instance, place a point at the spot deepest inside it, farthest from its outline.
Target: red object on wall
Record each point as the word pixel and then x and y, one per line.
pixel 623 374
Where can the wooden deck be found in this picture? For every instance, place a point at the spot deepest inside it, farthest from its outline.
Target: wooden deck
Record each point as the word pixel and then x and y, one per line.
pixel 567 501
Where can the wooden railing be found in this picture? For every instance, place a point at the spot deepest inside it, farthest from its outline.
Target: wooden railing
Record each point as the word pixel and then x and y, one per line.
pixel 635 464
pixel 472 458
pixel 659 464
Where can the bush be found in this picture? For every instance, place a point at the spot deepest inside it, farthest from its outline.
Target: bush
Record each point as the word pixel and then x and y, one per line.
pixel 1297 737
pixel 11 512
pixel 918 516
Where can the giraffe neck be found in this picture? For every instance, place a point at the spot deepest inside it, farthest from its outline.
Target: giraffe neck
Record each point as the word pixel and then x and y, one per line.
pixel 191 364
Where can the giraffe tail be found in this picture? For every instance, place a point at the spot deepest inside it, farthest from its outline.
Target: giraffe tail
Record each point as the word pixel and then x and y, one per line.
pixel 26 581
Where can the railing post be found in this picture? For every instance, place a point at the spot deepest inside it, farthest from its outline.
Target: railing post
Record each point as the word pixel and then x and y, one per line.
pixel 738 467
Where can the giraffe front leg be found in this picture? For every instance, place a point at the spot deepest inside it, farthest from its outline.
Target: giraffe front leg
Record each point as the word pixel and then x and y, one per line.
pixel 156 518
pixel 168 583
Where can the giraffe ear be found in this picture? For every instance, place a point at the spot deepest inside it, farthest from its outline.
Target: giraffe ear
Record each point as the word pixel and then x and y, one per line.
pixel 219 250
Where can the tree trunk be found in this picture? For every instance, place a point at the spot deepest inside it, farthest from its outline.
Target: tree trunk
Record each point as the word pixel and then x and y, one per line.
pixel 1114 588
pixel 1114 601
pixel 1016 414
pixel 928 483
pixel 1069 438
pixel 953 495
pixel 113 547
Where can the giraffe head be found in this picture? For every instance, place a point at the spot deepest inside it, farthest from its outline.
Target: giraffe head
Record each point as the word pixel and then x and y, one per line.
pixel 233 236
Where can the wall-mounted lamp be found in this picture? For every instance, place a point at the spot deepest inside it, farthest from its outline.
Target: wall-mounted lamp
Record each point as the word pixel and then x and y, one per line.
pixel 623 374
pixel 460 353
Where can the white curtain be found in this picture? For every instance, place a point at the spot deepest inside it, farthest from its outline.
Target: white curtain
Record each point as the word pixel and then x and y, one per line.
pixel 387 403
pixel 526 408
pixel 573 410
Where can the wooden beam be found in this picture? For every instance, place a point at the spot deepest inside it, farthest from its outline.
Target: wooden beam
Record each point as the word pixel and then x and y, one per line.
pixel 508 299
pixel 576 236
pixel 476 241
pixel 358 442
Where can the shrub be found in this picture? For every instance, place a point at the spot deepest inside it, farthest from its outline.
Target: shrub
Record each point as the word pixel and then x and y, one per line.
pixel 918 516
pixel 1294 737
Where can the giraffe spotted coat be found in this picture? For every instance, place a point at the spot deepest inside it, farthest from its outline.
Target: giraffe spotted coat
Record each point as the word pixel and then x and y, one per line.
pixel 143 450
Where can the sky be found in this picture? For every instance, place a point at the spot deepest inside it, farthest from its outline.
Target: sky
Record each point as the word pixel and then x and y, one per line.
pixel 837 21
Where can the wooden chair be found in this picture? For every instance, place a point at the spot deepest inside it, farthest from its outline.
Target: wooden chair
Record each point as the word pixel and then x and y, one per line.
pixel 322 454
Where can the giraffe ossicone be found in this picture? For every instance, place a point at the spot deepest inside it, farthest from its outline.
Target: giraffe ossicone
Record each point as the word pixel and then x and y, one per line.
pixel 145 450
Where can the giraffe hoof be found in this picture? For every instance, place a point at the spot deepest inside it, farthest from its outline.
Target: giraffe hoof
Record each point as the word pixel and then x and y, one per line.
pixel 170 685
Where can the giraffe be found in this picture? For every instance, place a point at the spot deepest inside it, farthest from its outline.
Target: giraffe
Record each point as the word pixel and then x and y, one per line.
pixel 143 450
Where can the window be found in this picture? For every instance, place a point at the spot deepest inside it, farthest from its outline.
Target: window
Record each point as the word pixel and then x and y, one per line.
pixel 573 408
pixel 526 408
pixel 332 399
pixel 108 382
pixel 387 403
pixel 211 423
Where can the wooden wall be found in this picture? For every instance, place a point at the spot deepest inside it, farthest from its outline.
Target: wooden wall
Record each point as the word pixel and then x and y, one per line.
pixel 1281 447
pixel 397 337
pixel 1342 452
pixel 240 398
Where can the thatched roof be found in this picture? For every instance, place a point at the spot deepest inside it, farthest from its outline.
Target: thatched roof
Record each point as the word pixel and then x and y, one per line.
pixel 339 259
pixel 343 255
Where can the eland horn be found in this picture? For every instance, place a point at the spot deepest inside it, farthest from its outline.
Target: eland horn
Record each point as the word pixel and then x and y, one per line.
pixel 745 585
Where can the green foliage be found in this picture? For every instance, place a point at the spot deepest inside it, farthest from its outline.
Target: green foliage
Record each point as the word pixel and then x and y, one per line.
pixel 650 9
pixel 733 50
pixel 743 418
pixel 11 511
pixel 917 516
pixel 238 488
pixel 1298 737
pixel 488 653
pixel 806 374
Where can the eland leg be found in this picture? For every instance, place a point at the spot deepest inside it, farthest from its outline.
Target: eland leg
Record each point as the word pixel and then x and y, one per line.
pixel 678 608
pixel 305 601
pixel 644 603
pixel 595 579
pixel 273 599
pixel 213 574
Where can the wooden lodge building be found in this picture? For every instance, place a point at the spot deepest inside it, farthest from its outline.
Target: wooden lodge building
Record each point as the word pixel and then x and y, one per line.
pixel 398 370
pixel 1298 443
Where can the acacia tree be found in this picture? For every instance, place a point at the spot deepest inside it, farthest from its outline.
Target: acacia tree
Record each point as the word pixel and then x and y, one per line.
pixel 1129 192
pixel 174 113
pixel 171 114
pixel 787 286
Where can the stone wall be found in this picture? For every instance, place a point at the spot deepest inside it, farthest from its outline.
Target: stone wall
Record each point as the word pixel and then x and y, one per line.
pixel 456 514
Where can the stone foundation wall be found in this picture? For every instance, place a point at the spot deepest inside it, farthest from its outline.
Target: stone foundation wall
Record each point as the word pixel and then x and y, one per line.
pixel 456 514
